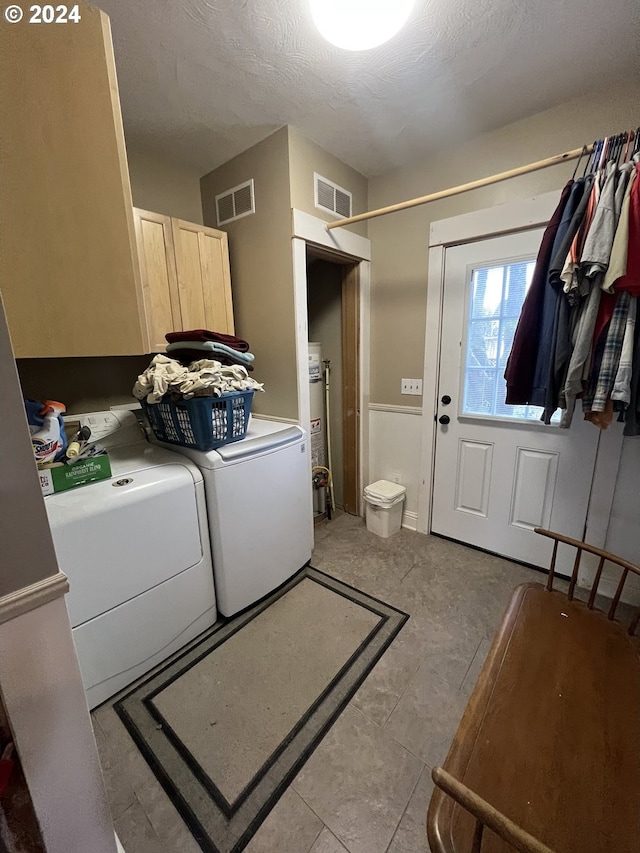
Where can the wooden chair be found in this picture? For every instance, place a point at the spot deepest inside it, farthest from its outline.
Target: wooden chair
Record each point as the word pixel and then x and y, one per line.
pixel 546 758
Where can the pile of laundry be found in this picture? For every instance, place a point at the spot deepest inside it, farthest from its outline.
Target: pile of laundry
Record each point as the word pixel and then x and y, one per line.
pixel 202 378
pixel 196 344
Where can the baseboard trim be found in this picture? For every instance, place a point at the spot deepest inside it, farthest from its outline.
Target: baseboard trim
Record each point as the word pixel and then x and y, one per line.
pixel 400 410
pixel 410 520
pixel 35 595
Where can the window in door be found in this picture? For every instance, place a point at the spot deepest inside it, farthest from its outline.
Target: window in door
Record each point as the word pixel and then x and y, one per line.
pixel 496 294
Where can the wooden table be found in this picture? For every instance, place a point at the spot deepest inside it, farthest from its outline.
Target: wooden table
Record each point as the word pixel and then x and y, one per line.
pixel 550 739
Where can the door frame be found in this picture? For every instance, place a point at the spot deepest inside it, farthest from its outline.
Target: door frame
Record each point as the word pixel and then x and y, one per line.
pixel 352 410
pixel 349 247
pixel 349 378
pixel 468 228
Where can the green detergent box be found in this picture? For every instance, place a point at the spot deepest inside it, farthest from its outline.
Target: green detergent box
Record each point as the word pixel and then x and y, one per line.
pixel 79 473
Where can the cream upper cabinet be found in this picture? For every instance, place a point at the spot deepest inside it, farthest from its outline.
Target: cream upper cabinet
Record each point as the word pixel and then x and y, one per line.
pixel 185 276
pixel 204 282
pixel 159 279
pixel 69 270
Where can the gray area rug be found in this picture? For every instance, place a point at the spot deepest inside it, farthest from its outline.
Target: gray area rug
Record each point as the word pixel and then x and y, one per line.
pixel 226 725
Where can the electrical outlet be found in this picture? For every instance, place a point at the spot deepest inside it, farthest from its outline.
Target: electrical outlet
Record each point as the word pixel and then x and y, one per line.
pixel 411 386
pixel 396 477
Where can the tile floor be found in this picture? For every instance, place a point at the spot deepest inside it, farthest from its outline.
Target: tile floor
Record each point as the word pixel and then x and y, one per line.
pixel 367 786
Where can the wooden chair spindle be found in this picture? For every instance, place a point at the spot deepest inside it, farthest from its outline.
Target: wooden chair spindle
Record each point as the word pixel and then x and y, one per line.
pixel 574 575
pixel 596 581
pixel 477 837
pixel 616 598
pixel 605 556
pixel 552 567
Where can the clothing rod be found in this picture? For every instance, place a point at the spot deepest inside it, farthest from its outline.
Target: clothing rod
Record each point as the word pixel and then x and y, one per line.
pixel 463 188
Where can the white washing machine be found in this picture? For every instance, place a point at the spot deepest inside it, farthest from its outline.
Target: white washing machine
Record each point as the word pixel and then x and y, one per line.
pixel 136 551
pixel 259 509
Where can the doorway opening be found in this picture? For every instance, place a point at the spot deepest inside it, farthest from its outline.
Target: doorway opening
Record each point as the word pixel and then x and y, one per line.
pixel 333 310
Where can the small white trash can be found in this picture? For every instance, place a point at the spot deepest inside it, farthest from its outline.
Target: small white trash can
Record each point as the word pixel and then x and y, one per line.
pixel 384 502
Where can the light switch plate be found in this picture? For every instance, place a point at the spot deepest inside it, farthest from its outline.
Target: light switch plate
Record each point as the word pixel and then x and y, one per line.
pixel 411 386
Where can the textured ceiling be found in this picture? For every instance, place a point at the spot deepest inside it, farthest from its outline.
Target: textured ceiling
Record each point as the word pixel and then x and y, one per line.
pixel 202 80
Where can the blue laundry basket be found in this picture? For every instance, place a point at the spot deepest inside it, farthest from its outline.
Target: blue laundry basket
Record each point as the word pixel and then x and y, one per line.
pixel 203 423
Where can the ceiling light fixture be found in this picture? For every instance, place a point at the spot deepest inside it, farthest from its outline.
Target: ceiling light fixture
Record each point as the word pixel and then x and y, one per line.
pixel 360 24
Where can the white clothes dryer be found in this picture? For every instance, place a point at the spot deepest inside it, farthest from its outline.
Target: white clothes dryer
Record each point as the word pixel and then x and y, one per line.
pixel 259 509
pixel 135 549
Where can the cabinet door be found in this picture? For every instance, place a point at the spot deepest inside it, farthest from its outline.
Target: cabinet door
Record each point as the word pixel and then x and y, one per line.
pixel 204 281
pixel 159 279
pixel 69 266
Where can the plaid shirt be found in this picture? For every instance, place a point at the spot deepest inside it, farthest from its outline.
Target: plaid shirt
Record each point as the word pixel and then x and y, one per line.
pixel 603 374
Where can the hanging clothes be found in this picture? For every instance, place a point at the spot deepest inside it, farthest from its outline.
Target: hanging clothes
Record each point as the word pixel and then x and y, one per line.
pixel 590 269
pixel 631 281
pixel 618 255
pixel 621 393
pixel 580 322
pixel 569 275
pixel 604 374
pixel 521 363
pixel 594 258
pixel 580 354
pixel 632 412
pixel 619 252
pixel 565 307
pixel 549 320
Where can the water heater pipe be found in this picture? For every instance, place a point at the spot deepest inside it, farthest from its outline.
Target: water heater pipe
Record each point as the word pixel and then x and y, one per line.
pixel 327 371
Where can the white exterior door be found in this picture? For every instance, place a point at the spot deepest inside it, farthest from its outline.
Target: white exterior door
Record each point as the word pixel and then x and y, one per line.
pixel 499 472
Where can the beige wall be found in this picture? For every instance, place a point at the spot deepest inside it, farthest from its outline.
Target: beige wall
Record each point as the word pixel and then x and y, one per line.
pixel 305 158
pixel 164 187
pixel 262 267
pixel 82 384
pixel 26 548
pixel 324 300
pixel 400 241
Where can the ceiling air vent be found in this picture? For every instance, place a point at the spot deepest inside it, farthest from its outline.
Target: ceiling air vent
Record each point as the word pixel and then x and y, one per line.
pixel 331 197
pixel 235 203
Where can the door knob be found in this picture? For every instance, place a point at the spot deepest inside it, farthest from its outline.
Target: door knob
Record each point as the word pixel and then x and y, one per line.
pixel 444 420
pixel 445 400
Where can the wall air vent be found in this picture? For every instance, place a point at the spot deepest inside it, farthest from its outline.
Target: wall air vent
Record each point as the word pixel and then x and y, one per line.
pixel 331 197
pixel 236 203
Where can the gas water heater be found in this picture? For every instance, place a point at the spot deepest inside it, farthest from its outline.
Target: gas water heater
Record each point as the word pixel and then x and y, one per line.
pixel 316 405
